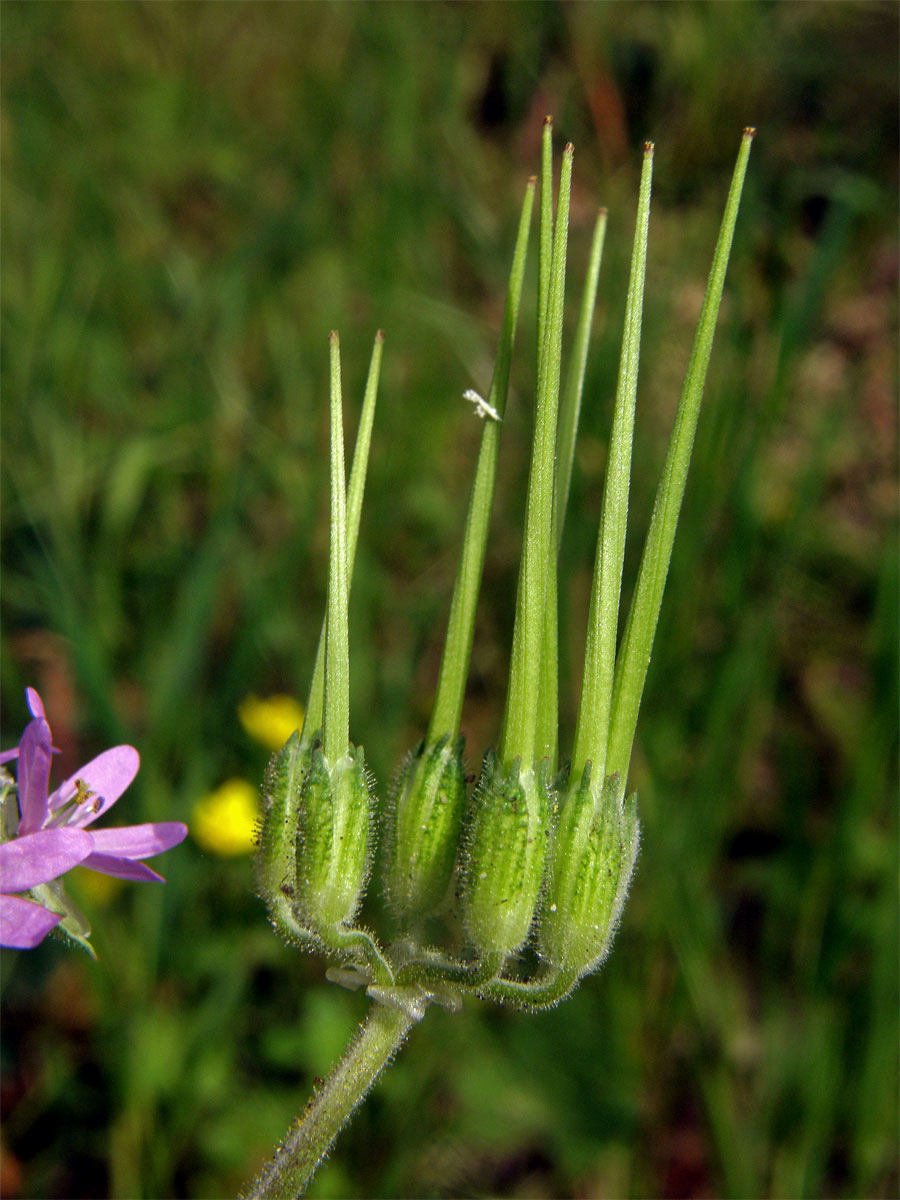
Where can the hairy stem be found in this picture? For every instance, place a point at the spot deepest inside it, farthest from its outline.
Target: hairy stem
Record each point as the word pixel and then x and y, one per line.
pixel 359 941
pixel 532 994
pixel 430 967
pixel 312 1135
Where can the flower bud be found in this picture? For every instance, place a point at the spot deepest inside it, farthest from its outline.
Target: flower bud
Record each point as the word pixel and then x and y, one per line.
pixel 333 834
pixel 506 853
pixel 430 800
pixel 593 855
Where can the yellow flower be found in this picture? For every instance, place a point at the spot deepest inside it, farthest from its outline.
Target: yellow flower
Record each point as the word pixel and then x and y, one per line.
pixel 225 821
pixel 271 721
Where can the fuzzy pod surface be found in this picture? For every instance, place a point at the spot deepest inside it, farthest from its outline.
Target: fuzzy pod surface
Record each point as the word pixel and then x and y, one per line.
pixel 281 793
pixel 333 840
pixel 506 852
pixel 430 802
pixel 591 862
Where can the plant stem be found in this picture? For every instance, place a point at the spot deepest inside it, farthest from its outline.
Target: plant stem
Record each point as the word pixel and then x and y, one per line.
pixel 360 942
pixel 355 489
pixel 549 361
pixel 637 641
pixel 545 238
pixel 520 727
pixel 592 729
pixel 312 1135
pixel 433 968
pixel 570 401
pixel 534 994
pixel 567 427
pixel 336 723
pixel 451 686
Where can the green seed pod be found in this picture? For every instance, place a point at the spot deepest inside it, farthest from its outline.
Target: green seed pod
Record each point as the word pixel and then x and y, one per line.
pixel 275 857
pixel 333 835
pixel 591 862
pixel 506 853
pixel 430 801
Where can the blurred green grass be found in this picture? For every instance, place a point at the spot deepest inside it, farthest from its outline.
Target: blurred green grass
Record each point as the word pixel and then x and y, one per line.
pixel 193 195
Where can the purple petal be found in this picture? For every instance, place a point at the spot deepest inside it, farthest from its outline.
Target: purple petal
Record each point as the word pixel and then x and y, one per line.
pixel 35 750
pixel 139 841
pixel 7 755
pixel 122 868
pixel 24 924
pixel 39 857
pixel 35 703
pixel 107 776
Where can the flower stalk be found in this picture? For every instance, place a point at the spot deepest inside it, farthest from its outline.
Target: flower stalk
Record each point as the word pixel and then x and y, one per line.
pixel 332 1104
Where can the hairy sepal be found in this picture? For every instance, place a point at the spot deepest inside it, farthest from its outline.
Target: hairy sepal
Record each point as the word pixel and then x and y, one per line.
pixel 281 792
pixel 429 805
pixel 505 856
pixel 333 840
pixel 592 859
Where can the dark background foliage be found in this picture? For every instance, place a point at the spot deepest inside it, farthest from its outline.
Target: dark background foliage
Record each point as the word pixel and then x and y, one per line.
pixel 193 196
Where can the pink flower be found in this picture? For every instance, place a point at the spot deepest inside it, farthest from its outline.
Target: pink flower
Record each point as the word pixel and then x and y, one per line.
pixel 74 805
pixel 26 862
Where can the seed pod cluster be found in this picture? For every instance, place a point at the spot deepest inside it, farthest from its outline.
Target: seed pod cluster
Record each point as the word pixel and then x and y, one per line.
pixel 520 853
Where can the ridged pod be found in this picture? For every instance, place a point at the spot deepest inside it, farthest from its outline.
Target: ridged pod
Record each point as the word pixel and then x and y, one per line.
pixel 281 790
pixel 427 819
pixel 594 850
pixel 506 854
pixel 333 839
